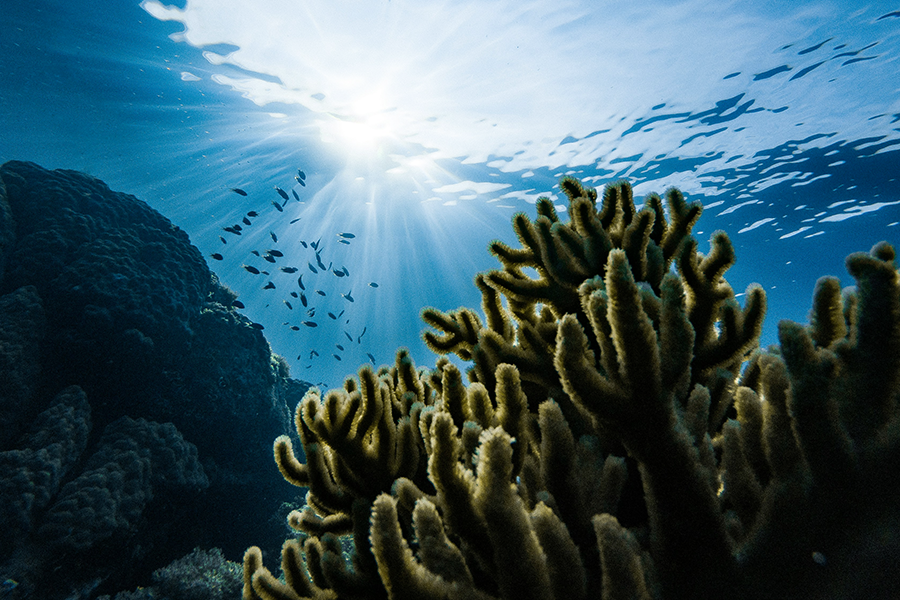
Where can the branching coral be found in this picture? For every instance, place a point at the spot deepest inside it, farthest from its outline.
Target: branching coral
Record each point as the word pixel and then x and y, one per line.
pixel 620 435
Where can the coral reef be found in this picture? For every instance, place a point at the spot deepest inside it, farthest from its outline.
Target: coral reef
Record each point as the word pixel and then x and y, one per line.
pixel 620 435
pixel 127 374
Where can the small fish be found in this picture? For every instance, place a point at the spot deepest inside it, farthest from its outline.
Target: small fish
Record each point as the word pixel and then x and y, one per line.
pixel 294 221
pixel 344 242
pixel 332 316
pixel 216 256
pixel 338 273
pixel 232 230
pixel 269 258
pixel 257 326
pixel 340 313
pixel 274 237
pixel 347 297
pixel 277 253
pixel 301 174
pixel 277 206
pixel 255 252
pixel 310 323
pixel 282 193
pixel 300 181
pixel 289 269
pixel 315 244
pixel 237 227
pixel 269 286
pixel 360 335
pixel 348 236
pixel 303 298
pixel 221 239
pixel 296 197
pixel 346 272
pixel 294 328
pixel 339 347
pixel 294 294
pixel 252 213
pixel 372 358
pixel 311 312
pixel 264 272
pixel 288 304
pixel 348 336
pixel 320 292
pixel 313 353
pixel 238 304
pixel 373 284
pixel 300 282
pixel 302 243
pixel 251 269
pixel 336 357
pixel 247 221
pixel 283 204
pixel 320 263
pixel 238 191
pixel 311 268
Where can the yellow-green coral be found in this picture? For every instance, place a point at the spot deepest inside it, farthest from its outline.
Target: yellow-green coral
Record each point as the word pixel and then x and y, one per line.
pixel 620 434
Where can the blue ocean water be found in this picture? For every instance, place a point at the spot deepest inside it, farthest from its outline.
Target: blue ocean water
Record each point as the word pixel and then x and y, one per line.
pixel 422 127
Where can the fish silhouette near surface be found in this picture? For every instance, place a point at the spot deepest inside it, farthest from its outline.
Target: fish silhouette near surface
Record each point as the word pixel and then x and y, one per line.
pixel 238 191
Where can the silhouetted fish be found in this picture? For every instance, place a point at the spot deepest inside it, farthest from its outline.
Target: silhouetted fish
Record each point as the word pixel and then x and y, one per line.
pixel 313 353
pixel 320 263
pixel 294 328
pixel 300 181
pixel 346 235
pixel 336 357
pixel 347 297
pixel 360 335
pixel 339 347
pixel 246 221
pixel 238 191
pixel 277 206
pixel 338 273
pixel 311 268
pixel 310 323
pixel 344 242
pixel 269 286
pixel 232 230
pixel 346 272
pixel 288 304
pixel 251 269
pixel 277 253
pixel 302 243
pixel 274 237
pixel 311 312
pixel 300 282
pixel 222 240
pixel 216 256
pixel 238 304
pixel 332 316
pixel 282 193
pixel 257 326
pixel 252 213
pixel 348 336
pixel 296 197
pixel 301 174
pixel 269 258
pixel 237 227
pixel 294 294
pixel 255 252
pixel 303 298
pixel 289 269
pixel 373 284
pixel 320 292
pixel 372 358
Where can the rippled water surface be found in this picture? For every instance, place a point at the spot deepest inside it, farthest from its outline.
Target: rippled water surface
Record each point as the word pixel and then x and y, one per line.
pixel 422 126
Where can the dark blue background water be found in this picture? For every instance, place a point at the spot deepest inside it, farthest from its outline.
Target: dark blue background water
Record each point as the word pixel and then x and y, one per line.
pixel 794 152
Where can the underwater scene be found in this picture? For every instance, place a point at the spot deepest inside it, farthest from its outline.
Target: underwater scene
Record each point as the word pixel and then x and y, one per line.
pixel 534 299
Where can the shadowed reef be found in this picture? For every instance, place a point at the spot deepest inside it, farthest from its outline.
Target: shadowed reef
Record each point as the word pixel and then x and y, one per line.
pixel 618 432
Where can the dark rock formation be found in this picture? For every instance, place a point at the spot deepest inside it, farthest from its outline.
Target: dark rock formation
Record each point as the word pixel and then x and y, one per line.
pixel 137 407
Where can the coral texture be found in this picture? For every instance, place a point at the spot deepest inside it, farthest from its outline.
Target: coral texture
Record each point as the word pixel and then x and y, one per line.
pixel 124 367
pixel 620 434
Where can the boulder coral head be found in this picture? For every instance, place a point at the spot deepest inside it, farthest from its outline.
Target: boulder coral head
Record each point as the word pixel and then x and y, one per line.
pixel 619 435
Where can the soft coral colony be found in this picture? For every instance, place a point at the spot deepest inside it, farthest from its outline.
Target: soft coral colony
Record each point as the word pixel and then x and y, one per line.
pixel 621 435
